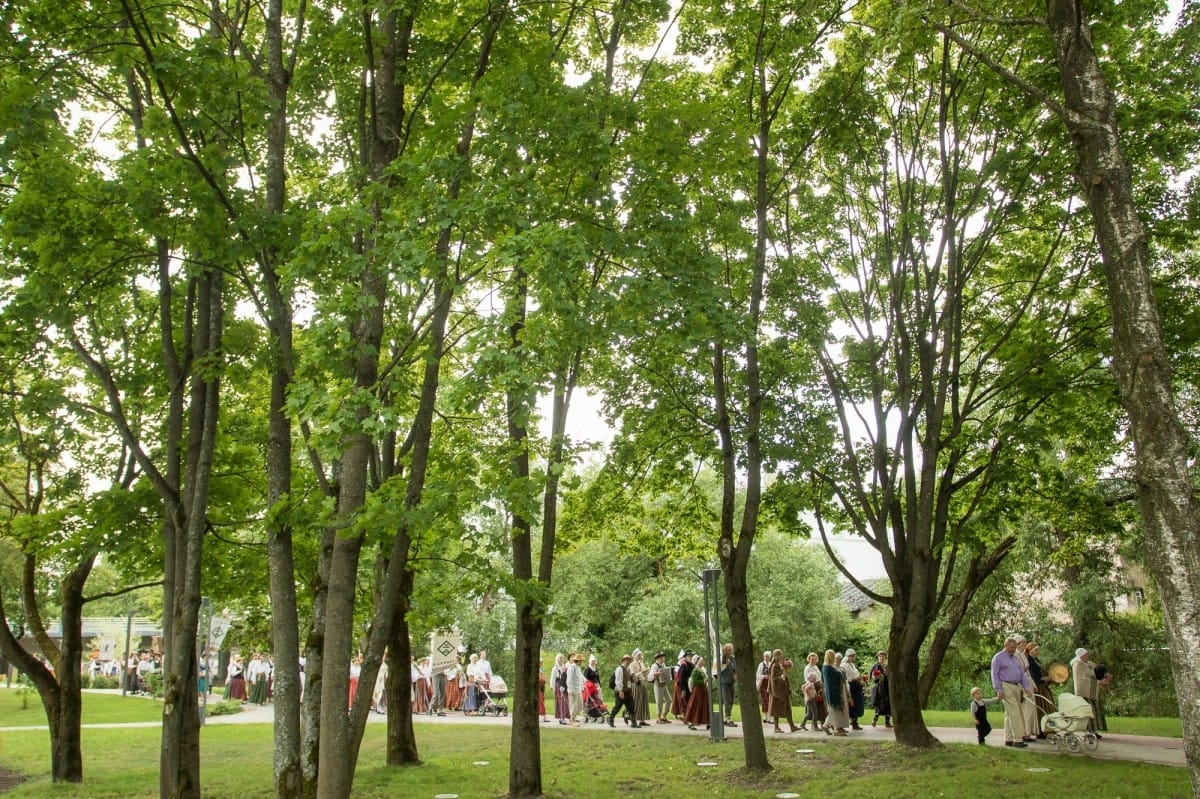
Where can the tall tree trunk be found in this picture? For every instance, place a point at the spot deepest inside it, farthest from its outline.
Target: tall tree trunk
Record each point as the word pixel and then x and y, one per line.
pixel 281 569
pixel 314 668
pixel 1166 492
pixel 67 761
pixel 525 740
pixel 59 690
pixel 525 745
pixel 179 775
pixel 335 771
pixel 381 123
pixel 401 739
pixel 735 543
pixel 911 575
pixel 48 691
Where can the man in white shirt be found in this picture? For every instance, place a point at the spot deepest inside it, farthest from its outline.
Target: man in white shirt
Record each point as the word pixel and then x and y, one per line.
pixel 662 680
pixel 623 685
pixel 575 688
pixel 484 668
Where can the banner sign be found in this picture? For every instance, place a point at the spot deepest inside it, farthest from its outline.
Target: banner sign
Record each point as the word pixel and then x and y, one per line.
pixel 443 649
pixel 218 626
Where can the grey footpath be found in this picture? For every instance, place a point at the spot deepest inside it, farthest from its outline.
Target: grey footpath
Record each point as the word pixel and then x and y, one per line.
pixel 1139 748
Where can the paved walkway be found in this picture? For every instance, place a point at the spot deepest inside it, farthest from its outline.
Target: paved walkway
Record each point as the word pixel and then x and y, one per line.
pixel 1141 748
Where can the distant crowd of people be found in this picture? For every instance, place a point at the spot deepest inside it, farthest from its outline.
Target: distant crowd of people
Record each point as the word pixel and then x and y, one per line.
pixel 835 692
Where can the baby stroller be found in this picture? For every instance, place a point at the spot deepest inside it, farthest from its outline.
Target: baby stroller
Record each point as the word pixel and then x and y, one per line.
pixel 494 697
pixel 1069 726
pixel 594 708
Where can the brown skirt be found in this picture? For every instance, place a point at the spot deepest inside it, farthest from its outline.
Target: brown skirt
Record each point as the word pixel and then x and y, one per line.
pixel 698 709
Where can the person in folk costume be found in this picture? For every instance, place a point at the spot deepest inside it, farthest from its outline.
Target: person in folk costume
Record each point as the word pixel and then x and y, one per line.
pixel 256 677
pixel 470 703
pixel 623 685
pixel 456 681
pixel 764 686
pixel 781 691
pixel 812 668
pixel 355 672
pixel 662 680
pixel 575 681
pixel 698 707
pixel 1043 699
pixel 592 672
pixel 558 676
pixel 1083 680
pixel 235 680
pixel 837 696
pixel 421 694
pixel 881 697
pixel 379 692
pixel 726 678
pixel 854 681
pixel 683 687
pixel 641 700
pixel 441 692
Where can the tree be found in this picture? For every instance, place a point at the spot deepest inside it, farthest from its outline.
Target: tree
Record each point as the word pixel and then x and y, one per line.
pixel 944 351
pixel 1089 110
pixel 557 265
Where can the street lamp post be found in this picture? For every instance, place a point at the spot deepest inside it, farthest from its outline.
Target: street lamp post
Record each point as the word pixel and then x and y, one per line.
pixel 206 677
pixel 712 637
pixel 125 662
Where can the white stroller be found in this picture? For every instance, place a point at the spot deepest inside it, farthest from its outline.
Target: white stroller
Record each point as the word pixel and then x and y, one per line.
pixel 494 697
pixel 1070 726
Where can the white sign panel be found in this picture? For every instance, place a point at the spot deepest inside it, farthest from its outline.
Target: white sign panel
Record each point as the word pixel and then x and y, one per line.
pixel 443 650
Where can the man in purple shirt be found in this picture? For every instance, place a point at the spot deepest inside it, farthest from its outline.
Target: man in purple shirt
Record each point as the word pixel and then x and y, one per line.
pixel 1011 684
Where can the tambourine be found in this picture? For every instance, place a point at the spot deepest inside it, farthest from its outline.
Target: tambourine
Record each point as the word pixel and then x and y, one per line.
pixel 1058 673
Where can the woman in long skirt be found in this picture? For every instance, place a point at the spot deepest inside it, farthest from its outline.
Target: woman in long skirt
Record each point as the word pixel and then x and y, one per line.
pixel 881 698
pixel 683 688
pixel 698 707
pixel 454 687
pixel 562 701
pixel 837 696
pixel 236 689
pixel 781 692
pixel 641 695
pixel 542 693
pixel 421 688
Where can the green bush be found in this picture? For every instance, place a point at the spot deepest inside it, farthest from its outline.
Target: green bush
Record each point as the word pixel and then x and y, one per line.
pixel 224 708
pixel 101 682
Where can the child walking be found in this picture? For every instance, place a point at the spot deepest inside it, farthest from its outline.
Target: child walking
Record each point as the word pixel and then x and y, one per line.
pixel 979 713
pixel 810 703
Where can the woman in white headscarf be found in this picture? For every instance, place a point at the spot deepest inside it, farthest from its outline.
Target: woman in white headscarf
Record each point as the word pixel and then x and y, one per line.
pixel 641 697
pixel 1083 679
pixel 699 707
pixel 558 676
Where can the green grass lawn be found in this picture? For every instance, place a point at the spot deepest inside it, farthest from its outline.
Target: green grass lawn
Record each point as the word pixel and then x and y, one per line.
pixel 472 761
pixel 1163 727
pixel 23 708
